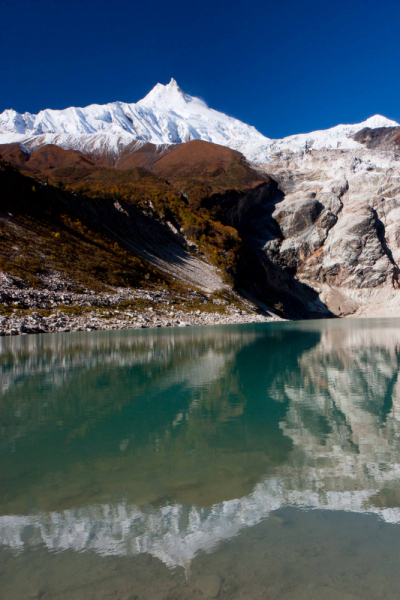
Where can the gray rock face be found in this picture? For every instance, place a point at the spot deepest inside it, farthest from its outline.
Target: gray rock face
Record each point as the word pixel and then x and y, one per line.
pixel 304 224
pixel 339 227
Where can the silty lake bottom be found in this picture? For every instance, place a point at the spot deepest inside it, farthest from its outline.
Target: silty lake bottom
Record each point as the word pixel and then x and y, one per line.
pixel 240 462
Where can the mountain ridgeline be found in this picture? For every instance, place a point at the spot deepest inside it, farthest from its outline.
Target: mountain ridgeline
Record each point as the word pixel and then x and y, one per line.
pixel 170 193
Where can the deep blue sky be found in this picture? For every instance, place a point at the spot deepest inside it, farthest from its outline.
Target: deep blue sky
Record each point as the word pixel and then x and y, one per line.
pixel 284 66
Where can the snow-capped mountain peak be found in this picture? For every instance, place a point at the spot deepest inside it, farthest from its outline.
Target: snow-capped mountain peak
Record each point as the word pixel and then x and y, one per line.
pixel 167 115
pixel 169 101
pixel 379 121
pixel 168 96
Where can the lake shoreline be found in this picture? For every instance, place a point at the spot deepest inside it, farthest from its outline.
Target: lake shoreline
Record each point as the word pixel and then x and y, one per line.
pixel 62 323
pixel 60 307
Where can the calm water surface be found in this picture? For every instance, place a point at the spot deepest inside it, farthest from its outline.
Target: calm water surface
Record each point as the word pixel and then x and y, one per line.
pixel 238 462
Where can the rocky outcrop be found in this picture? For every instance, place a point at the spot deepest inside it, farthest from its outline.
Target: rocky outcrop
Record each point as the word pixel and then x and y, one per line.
pixel 381 138
pixel 338 228
pixel 276 233
pixel 322 236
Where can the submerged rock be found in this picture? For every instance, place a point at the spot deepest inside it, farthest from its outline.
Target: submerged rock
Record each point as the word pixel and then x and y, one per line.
pixel 209 585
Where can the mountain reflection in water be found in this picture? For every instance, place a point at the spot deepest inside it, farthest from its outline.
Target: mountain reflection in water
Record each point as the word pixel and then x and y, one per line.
pixel 170 442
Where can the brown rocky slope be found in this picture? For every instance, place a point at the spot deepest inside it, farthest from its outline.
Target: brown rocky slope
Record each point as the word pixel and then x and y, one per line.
pixel 69 258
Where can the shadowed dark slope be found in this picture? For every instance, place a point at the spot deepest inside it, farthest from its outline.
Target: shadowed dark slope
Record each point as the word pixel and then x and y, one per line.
pixel 96 242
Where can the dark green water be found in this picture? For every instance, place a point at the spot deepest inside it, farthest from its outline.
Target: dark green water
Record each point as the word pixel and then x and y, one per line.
pixel 238 462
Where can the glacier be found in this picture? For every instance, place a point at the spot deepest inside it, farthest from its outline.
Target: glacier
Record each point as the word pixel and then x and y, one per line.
pixel 165 116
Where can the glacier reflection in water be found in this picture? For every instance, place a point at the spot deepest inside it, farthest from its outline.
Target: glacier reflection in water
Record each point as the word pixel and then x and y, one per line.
pixel 171 442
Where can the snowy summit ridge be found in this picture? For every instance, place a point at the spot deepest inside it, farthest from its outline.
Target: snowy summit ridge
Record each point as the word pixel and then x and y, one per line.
pixel 165 116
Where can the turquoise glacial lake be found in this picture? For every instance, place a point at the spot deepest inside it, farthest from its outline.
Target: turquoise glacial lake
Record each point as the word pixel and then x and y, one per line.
pixel 234 462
